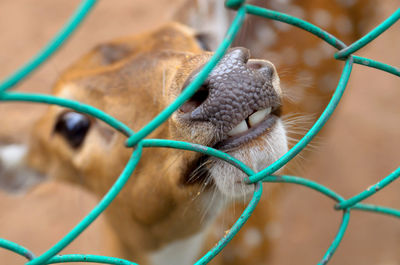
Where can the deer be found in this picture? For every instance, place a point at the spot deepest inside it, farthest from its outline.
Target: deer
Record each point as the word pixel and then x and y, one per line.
pixel 167 212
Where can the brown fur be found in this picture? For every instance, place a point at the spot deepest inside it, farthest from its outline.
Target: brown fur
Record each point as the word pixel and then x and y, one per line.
pixel 133 79
pixel 108 79
pixel 131 90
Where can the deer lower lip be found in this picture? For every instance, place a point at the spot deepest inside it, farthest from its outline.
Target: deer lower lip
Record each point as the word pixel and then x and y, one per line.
pixel 247 136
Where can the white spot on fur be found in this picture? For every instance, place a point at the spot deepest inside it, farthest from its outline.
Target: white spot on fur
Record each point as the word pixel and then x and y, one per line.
pixel 280 26
pixel 321 17
pixel 344 25
pixel 180 252
pixel 346 3
pixel 328 82
pixel 266 35
pixel 280 5
pixel 283 2
pixel 297 11
pixel 312 57
pixel 252 237
pixel 273 230
pixel 326 50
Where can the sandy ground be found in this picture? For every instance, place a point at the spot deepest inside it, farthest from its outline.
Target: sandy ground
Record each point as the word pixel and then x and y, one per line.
pixel 360 145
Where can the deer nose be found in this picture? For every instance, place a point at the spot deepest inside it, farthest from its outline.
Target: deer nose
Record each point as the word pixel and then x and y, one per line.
pixel 236 88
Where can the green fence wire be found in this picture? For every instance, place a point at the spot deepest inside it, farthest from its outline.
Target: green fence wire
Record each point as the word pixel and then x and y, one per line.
pixel 137 141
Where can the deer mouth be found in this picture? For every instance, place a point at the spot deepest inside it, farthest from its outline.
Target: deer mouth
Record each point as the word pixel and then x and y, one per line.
pixel 255 125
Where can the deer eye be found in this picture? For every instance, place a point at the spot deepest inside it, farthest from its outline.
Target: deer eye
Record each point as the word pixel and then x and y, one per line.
pixel 73 127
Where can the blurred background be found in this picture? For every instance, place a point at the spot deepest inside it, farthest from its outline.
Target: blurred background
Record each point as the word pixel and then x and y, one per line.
pixel 359 146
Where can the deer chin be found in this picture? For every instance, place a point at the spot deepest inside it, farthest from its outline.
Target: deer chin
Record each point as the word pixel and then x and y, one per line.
pixel 257 154
pixel 257 147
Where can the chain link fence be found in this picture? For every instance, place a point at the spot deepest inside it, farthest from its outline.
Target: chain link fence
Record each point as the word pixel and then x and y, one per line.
pixel 137 140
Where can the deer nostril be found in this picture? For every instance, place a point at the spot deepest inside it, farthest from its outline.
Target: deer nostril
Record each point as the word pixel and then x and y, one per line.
pixel 196 100
pixel 255 65
pixel 262 67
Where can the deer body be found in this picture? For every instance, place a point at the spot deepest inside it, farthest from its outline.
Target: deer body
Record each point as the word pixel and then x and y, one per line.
pixel 166 212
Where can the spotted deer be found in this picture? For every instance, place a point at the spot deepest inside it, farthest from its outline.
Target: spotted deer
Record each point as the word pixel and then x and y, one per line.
pixel 179 203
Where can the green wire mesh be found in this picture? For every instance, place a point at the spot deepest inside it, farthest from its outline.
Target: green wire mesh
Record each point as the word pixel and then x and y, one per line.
pixel 137 141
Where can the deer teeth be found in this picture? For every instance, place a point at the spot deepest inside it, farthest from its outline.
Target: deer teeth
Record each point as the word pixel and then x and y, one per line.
pixel 241 127
pixel 258 116
pixel 253 120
